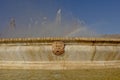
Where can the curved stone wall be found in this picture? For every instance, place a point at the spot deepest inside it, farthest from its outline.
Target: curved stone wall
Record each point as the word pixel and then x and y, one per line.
pixel 72 53
pixel 76 50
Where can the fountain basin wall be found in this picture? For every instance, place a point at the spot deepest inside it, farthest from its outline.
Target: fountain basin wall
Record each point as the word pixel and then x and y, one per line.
pixel 36 53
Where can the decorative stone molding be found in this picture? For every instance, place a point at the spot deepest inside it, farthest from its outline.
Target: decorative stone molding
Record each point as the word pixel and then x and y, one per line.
pixel 58 47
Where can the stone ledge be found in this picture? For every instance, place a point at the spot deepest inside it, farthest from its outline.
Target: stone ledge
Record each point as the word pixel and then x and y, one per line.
pixel 59 65
pixel 56 39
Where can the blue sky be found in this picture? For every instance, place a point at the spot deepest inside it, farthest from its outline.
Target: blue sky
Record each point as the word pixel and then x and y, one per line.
pixel 101 15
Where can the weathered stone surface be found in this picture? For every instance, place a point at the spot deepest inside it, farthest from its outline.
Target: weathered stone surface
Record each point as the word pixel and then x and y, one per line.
pixel 72 53
pixel 80 54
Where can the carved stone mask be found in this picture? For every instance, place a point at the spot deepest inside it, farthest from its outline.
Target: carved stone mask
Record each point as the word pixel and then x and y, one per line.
pixel 58 47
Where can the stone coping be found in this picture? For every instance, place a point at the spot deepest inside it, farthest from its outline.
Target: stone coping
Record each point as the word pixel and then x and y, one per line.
pixel 51 39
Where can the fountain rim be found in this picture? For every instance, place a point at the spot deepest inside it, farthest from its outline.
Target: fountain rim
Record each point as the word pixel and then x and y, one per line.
pixel 64 39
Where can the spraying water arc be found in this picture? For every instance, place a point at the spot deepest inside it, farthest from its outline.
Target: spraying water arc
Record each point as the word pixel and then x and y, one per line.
pixel 58 17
